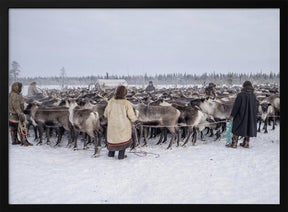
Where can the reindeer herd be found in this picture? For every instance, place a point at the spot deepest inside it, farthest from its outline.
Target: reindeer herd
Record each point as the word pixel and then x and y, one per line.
pixel 181 113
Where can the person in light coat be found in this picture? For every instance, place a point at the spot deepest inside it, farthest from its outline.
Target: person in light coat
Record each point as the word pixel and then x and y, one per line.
pixel 119 113
pixel 16 114
pixel 33 90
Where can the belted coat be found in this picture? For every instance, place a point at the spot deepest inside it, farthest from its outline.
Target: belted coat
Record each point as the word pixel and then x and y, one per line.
pixel 15 103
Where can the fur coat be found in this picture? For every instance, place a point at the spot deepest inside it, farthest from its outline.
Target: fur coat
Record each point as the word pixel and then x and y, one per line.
pixel 120 114
pixel 15 103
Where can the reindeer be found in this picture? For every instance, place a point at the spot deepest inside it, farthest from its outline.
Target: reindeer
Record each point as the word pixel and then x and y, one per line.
pixel 267 108
pixel 99 108
pixel 217 108
pixel 191 116
pixel 85 120
pixel 164 116
pixel 53 116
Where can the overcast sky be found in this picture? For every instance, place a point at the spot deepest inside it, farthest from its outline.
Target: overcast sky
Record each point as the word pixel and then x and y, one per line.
pixel 137 41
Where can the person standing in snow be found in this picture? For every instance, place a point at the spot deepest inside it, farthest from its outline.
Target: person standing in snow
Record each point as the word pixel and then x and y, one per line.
pixel 244 116
pixel 32 90
pixel 119 113
pixel 16 114
pixel 210 90
pixel 150 87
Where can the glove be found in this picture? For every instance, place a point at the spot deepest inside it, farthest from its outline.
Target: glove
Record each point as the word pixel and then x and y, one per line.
pixel 137 123
pixel 22 117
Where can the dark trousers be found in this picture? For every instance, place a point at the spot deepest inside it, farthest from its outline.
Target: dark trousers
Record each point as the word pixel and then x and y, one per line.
pixel 13 126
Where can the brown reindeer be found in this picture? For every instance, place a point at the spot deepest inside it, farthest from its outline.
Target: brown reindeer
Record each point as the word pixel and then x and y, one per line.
pixel 53 116
pixel 164 116
pixel 267 108
pixel 85 120
pixel 191 116
pixel 216 108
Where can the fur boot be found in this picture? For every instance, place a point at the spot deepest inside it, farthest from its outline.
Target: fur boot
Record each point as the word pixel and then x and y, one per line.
pixel 234 142
pixel 111 153
pixel 245 143
pixel 14 137
pixel 24 141
pixel 121 154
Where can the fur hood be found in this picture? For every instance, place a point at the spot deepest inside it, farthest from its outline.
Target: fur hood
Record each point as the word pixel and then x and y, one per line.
pixel 120 92
pixel 17 87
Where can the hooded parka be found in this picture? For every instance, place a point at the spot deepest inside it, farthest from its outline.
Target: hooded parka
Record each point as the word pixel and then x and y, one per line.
pixel 15 102
pixel 244 113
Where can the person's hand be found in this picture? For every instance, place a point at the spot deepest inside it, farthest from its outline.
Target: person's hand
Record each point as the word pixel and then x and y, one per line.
pixel 22 117
pixel 137 123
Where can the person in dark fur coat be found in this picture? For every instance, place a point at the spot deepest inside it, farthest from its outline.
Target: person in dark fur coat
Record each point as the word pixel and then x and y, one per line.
pixel 244 116
pixel 210 90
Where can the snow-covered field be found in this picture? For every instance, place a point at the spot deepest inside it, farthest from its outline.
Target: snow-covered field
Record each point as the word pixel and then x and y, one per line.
pixel 208 173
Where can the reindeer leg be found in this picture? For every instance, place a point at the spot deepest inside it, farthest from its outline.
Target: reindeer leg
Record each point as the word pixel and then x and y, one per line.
pixel 156 132
pixel 75 140
pixel 223 127
pixel 134 137
pixel 84 136
pixel 269 120
pixel 59 135
pixel 97 148
pixel 140 134
pixel 99 134
pixel 194 139
pixel 161 138
pixel 218 135
pixel 165 135
pixel 265 126
pixel 71 137
pixel 259 126
pixel 71 134
pixel 105 136
pixel 274 122
pixel 173 135
pixel 48 131
pixel 40 127
pixel 211 134
pixel 151 132
pixel 35 128
pixel 193 135
pixel 190 129
pixel 145 136
pixel 89 140
pixel 208 129
pixel 85 140
pixel 184 133
pixel 202 136
pixel 179 136
pixel 265 123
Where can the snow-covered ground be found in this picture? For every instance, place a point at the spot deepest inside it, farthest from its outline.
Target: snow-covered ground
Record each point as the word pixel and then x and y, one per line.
pixel 208 173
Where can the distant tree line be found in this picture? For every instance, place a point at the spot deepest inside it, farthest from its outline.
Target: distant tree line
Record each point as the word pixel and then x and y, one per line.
pixel 178 79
